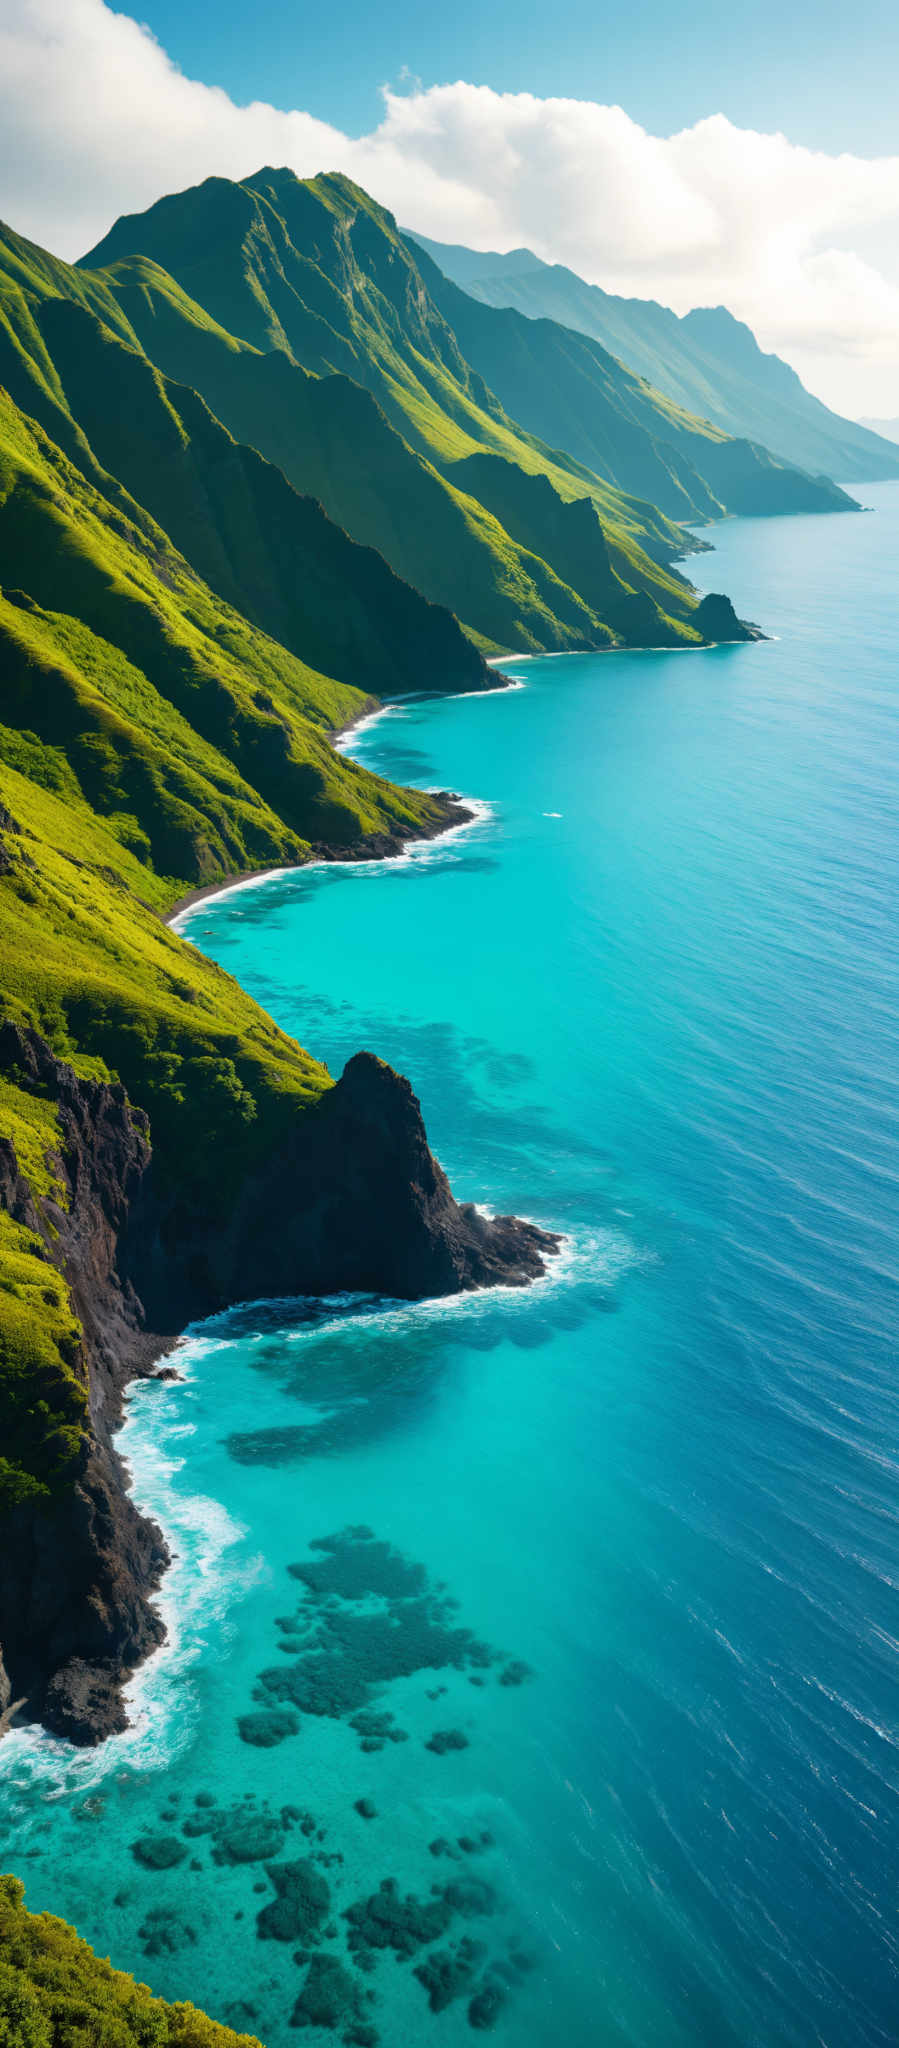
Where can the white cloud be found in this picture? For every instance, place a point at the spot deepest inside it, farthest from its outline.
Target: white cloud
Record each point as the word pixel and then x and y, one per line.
pixel 95 120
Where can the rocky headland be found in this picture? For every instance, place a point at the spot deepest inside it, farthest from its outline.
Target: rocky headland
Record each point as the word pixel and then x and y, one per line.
pixel 351 1199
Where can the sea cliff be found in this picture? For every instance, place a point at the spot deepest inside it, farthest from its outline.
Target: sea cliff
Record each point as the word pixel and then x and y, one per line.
pixel 349 1198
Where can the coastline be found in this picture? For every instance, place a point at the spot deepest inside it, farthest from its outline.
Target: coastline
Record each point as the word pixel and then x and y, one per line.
pixel 380 846
pixel 435 1250
pixel 460 812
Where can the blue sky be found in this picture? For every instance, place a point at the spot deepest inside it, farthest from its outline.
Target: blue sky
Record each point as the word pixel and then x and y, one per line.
pixel 823 71
pixel 699 156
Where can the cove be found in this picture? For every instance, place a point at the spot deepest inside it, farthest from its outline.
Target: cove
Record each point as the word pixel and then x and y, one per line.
pixel 645 1512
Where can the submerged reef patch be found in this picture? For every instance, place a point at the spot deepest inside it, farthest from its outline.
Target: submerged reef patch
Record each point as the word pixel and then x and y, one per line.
pixel 369 1615
pixel 301 1904
pixel 332 1997
pixel 268 1727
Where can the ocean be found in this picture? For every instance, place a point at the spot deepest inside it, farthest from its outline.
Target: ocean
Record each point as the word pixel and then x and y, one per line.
pixel 594 1598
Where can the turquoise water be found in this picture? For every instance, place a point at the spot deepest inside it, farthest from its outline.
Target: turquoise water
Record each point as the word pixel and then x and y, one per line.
pixel 650 999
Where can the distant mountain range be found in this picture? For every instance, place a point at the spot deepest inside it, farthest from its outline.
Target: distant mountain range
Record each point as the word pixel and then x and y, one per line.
pixel 250 292
pixel 706 360
pixel 889 429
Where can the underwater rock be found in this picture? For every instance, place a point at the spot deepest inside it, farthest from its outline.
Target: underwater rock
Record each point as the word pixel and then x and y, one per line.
pixel 240 2015
pixel 449 1973
pixel 516 1673
pixel 377 1728
pixel 158 1852
pixel 250 1838
pixel 486 2006
pixel 367 1809
pixel 268 1727
pixel 330 1996
pixel 444 1739
pixel 358 1566
pixel 163 1932
pixel 387 1919
pixel 243 1833
pixel 301 1906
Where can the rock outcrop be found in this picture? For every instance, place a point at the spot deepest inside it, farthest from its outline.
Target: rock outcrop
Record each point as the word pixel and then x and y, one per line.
pixel 352 1199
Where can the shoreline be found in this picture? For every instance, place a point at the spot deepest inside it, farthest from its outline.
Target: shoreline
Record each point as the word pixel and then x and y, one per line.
pixel 85 1721
pixel 460 812
pixel 458 815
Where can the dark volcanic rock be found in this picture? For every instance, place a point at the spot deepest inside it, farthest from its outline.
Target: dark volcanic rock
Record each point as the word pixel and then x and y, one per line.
pixel 74 1612
pixel 360 1204
pixel 716 619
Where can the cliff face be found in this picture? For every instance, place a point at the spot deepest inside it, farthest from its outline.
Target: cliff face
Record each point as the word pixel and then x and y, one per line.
pixel 352 1199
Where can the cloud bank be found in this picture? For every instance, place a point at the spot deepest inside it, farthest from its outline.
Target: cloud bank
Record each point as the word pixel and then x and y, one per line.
pixel 96 120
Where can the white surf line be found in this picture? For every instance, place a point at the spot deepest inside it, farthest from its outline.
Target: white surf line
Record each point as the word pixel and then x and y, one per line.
pixel 480 808
pixel 481 811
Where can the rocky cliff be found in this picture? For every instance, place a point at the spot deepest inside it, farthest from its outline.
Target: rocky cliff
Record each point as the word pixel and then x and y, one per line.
pixel 351 1198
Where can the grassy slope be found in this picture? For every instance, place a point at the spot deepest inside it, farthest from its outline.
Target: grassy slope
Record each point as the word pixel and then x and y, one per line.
pixel 149 739
pixel 566 387
pixel 56 1993
pixel 172 650
pixel 261 545
pixel 707 361
pixel 318 273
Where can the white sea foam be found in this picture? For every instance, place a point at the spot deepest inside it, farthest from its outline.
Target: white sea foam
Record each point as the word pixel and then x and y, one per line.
pixel 197 1591
pixel 413 852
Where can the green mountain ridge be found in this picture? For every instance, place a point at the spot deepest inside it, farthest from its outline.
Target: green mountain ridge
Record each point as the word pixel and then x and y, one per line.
pixel 706 360
pixel 211 471
pixel 328 434
pixel 317 273
pixel 570 390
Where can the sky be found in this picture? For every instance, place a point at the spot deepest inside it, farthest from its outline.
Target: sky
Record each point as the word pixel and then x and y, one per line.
pixel 746 157
pixel 826 72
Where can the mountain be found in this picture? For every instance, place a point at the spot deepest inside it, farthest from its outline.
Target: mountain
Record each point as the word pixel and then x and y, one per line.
pixel 330 436
pixel 706 361
pixel 571 391
pixel 889 429
pixel 165 1149
pixel 137 436
pixel 222 282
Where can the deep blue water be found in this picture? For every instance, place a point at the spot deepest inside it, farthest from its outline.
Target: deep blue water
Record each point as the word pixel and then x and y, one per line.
pixel 651 999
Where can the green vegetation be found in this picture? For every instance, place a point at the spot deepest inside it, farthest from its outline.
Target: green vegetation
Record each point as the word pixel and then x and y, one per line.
pixel 250 291
pixel 566 387
pixel 151 738
pixel 707 361
pixel 56 1993
pixel 42 1389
